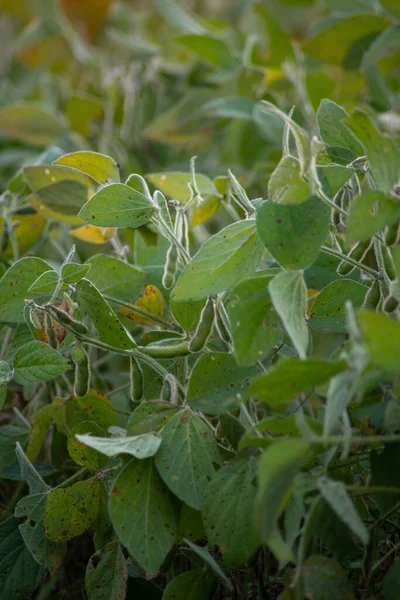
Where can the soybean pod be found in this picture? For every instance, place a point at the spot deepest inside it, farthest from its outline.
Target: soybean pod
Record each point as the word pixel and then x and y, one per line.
pixel 168 279
pixel 357 253
pixel 390 305
pixel 167 351
pixel 136 380
pixel 169 390
pixel 82 370
pixel 373 296
pixel 62 317
pixel 204 327
pixel 391 233
pixel 388 263
pixel 51 334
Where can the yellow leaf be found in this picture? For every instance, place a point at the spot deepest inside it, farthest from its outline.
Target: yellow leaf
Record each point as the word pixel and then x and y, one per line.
pixel 27 228
pixel 152 301
pixel 93 235
pixel 205 211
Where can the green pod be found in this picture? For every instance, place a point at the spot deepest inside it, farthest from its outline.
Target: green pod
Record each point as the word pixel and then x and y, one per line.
pixel 391 233
pixel 373 296
pixel 169 390
pixel 388 263
pixel 136 380
pixel 167 351
pixel 168 279
pixel 220 326
pixel 357 253
pixel 390 305
pixel 82 371
pixel 163 208
pixel 51 335
pixel 70 324
pixel 204 327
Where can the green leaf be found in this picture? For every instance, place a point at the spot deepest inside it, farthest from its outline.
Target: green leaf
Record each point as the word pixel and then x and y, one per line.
pixel 41 424
pixel 290 377
pixel 235 107
pixel 5 372
pixel 45 283
pixel 332 178
pixel 150 416
pixel 43 551
pixel 332 127
pixel 278 466
pixel 14 286
pixel 289 297
pixel 72 272
pixel 71 511
pixel 392 7
pixel 117 205
pixel 382 151
pixel 293 234
pixel 29 474
pixel 325 579
pixel 228 512
pixel 286 186
pixel 143 513
pixel 107 574
pixel 191 585
pixel 139 446
pixel 92 407
pixel 108 326
pixel 210 561
pixel 386 44
pixel 61 201
pixel 334 492
pixel 115 277
pixel 217 384
pixel 340 393
pixel 176 185
pixel 82 453
pixel 36 362
pixel 9 436
pixel 187 456
pixel 19 572
pixel 30 124
pixel 382 336
pixel 178 16
pixel 210 50
pixel 334 43
pixel 42 176
pixel 187 314
pixel 327 313
pixel 100 167
pixel 222 261
pixel 391 582
pixel 255 326
pixel 369 213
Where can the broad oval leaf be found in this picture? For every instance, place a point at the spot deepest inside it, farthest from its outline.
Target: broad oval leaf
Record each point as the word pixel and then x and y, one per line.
pixel 14 286
pixel 108 326
pixel 71 511
pixel 139 446
pixel 187 456
pixel 222 261
pixel 41 176
pixel 115 277
pixel 36 361
pixel 382 336
pixel 150 416
pixel 61 201
pixel 117 205
pixel 107 574
pixel 191 585
pixel 144 513
pixel 293 234
pixel 82 453
pixel 176 185
pixel 290 377
pixel 289 297
pixel 332 127
pixel 327 313
pixel 286 186
pixel 100 167
pixel 30 124
pixel 369 213
pixel 91 407
pixel 228 512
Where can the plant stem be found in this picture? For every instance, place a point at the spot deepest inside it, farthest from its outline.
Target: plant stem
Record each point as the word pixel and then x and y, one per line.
pixel 140 311
pixel 384 516
pixel 73 478
pixel 351 261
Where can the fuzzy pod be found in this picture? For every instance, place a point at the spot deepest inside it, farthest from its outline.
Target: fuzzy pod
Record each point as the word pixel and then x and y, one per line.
pixel 388 263
pixel 204 327
pixel 373 296
pixel 169 390
pixel 64 319
pixel 82 370
pixel 220 326
pixel 167 350
pixel 357 253
pixel 390 305
pixel 171 261
pixel 392 233
pixel 136 380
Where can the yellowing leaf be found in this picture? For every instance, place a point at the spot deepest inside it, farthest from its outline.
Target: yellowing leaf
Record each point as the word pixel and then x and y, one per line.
pixel 152 301
pixel 205 211
pixel 27 229
pixel 30 124
pixel 93 234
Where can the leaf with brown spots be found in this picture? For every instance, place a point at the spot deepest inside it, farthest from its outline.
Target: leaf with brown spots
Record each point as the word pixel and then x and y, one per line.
pixel 71 511
pixel 107 574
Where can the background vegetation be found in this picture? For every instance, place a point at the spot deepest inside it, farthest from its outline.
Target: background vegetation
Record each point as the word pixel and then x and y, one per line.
pixel 224 324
